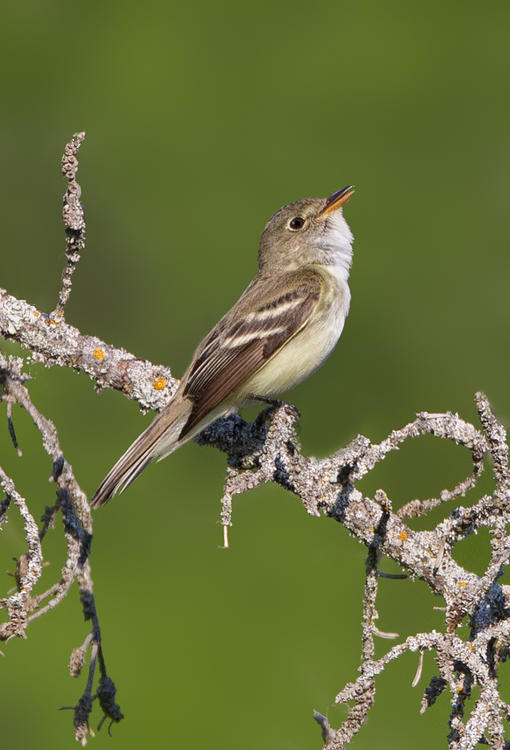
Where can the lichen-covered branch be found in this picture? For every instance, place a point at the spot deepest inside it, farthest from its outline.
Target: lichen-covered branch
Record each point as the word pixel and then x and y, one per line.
pixel 268 451
pixel 28 568
pixel 55 342
pixel 71 503
pixel 74 220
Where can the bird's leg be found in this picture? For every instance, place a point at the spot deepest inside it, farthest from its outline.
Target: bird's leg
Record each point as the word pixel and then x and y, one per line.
pixel 274 402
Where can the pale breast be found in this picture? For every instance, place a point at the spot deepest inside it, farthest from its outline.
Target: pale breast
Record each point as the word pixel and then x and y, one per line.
pixel 307 351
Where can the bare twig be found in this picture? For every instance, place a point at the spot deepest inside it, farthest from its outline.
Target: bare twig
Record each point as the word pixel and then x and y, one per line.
pixel 419 670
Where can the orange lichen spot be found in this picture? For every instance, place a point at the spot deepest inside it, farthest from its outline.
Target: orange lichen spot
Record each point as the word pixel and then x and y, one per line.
pixel 403 535
pixel 73 360
pixel 470 646
pixel 159 384
pixel 462 584
pixel 53 322
pixel 36 314
pixel 98 353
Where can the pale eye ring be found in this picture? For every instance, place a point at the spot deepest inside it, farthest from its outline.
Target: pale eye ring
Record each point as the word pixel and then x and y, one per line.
pixel 296 223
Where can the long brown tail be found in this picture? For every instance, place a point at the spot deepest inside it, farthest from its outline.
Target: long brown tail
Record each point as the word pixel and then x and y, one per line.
pixel 160 438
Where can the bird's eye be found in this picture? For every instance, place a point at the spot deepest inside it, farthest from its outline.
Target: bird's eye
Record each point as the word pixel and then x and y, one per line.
pixel 296 223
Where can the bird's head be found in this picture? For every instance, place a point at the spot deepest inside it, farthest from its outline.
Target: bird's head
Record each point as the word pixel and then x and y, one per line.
pixel 312 230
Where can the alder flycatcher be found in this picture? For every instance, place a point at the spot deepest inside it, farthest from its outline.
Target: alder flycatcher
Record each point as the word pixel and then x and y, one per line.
pixel 280 330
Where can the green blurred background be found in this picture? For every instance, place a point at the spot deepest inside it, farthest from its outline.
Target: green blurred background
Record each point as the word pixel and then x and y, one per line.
pixel 202 119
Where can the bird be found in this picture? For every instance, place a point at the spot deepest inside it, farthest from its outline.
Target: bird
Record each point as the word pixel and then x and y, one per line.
pixel 282 328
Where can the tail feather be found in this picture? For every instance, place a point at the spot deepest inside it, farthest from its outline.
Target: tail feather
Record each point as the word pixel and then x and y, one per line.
pixel 160 437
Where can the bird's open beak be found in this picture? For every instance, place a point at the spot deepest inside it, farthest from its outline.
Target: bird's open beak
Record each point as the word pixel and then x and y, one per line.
pixel 338 199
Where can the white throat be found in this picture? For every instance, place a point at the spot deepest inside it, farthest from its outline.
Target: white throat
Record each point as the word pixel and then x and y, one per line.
pixel 336 245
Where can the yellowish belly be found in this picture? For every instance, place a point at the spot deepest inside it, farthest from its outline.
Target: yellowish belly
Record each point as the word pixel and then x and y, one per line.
pixel 300 357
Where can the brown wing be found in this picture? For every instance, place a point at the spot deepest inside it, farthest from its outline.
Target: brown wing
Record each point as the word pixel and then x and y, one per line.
pixel 246 339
